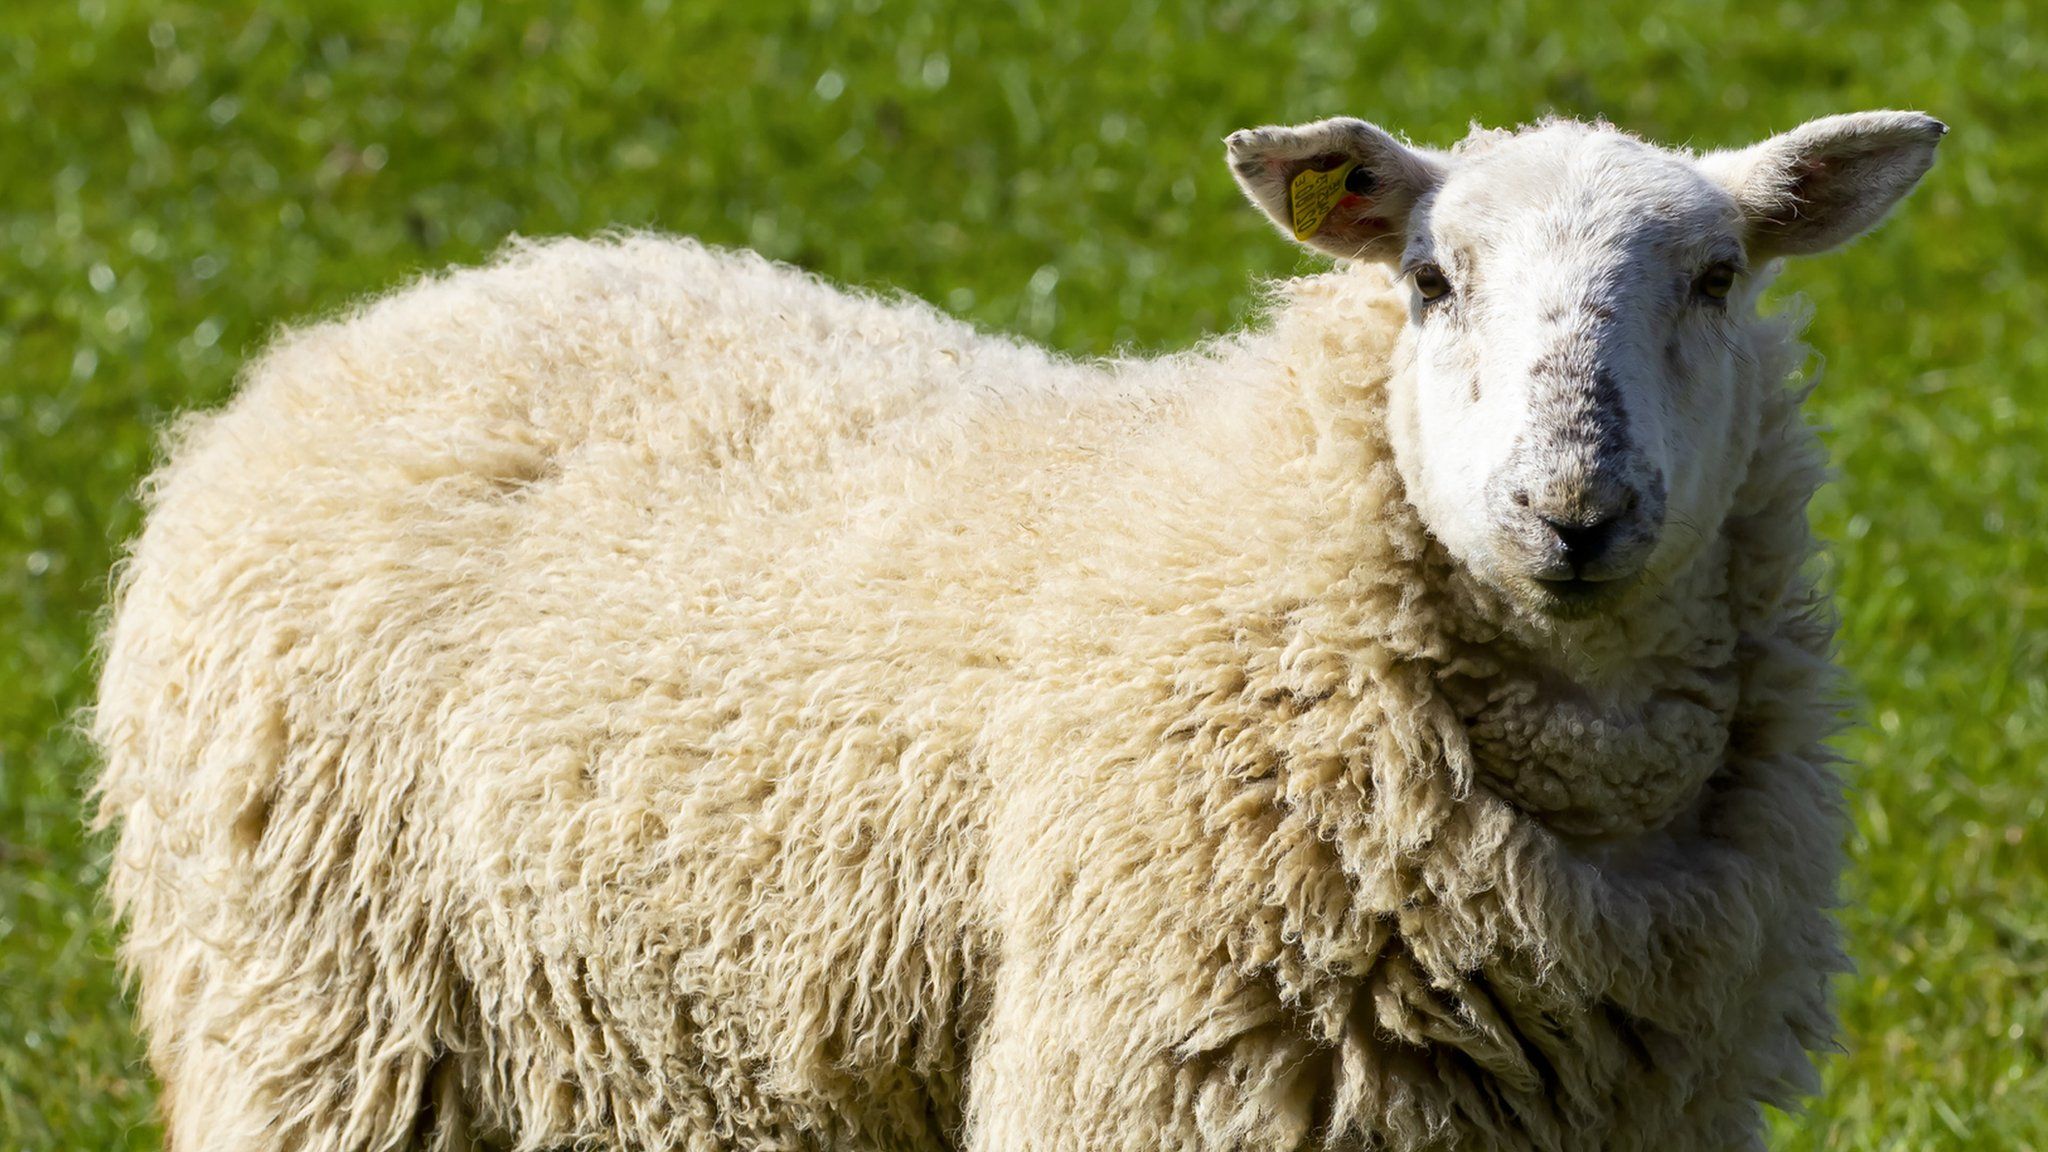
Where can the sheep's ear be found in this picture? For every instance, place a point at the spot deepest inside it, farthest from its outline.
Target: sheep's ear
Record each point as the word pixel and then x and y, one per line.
pixel 1828 180
pixel 1342 185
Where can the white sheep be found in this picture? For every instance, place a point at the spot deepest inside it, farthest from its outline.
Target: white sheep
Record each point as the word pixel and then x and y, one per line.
pixel 637 697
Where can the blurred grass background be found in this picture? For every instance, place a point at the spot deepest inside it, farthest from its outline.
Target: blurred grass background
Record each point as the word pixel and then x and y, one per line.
pixel 181 178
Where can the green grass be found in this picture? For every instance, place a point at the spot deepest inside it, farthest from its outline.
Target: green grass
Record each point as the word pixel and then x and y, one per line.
pixel 180 178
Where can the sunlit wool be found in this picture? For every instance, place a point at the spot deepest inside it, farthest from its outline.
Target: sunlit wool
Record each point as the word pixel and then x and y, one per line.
pixel 638 695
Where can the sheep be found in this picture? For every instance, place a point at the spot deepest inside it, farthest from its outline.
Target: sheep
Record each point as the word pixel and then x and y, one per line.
pixel 636 696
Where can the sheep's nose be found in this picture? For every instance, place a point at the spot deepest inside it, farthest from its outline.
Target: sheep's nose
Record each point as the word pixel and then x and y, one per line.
pixel 1582 542
pixel 1581 531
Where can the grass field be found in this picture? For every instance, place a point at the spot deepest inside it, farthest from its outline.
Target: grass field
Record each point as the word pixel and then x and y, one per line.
pixel 181 178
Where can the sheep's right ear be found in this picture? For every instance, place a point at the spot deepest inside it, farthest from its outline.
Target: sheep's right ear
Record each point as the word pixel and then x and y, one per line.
pixel 1342 186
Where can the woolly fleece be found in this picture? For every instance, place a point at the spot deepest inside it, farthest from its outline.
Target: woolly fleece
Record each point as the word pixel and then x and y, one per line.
pixel 633 696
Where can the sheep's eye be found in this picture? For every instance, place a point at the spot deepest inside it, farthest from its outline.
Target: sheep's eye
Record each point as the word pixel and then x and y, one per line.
pixel 1716 282
pixel 1429 280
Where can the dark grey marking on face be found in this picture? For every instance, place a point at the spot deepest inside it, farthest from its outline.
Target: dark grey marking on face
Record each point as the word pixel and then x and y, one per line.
pixel 1602 418
pixel 1674 357
pixel 1578 401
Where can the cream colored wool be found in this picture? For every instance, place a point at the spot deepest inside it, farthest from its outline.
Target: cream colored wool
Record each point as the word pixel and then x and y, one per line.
pixel 638 697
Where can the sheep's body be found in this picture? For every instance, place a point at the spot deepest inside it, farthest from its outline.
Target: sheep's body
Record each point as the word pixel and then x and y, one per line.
pixel 643 697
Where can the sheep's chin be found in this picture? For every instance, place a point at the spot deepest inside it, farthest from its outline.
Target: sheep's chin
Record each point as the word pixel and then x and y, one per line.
pixel 1572 602
pixel 1542 606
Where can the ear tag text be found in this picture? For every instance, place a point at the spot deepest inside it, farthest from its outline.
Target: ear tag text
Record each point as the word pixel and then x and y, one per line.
pixel 1311 195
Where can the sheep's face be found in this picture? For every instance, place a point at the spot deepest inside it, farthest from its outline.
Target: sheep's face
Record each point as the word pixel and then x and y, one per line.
pixel 1577 403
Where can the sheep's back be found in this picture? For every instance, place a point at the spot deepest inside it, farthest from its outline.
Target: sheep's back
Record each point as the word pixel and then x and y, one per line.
pixel 552 644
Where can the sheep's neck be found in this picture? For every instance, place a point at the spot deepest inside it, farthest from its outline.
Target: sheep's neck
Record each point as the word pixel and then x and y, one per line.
pixel 1614 750
pixel 1598 767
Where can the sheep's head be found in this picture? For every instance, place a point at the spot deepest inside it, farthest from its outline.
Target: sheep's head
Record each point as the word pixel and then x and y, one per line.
pixel 1575 404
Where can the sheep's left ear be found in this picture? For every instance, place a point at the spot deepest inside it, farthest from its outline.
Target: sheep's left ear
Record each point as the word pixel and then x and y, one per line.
pixel 1828 180
pixel 1342 186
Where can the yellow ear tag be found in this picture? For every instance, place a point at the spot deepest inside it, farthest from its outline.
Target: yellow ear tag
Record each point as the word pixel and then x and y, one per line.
pixel 1311 195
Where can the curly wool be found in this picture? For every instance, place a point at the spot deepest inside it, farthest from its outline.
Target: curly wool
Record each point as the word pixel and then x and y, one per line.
pixel 633 696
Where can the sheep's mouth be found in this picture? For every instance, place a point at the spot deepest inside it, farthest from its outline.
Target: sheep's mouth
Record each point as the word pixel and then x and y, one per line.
pixel 1575 598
